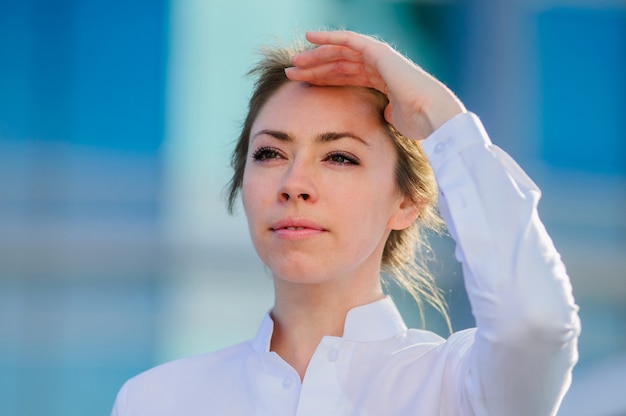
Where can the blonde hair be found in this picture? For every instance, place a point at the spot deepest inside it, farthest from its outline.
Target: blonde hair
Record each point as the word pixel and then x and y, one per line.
pixel 406 251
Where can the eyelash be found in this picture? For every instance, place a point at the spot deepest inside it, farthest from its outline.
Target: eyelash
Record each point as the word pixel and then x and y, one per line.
pixel 347 158
pixel 265 153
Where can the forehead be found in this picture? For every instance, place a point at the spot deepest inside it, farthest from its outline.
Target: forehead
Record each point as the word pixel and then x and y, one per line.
pixel 298 104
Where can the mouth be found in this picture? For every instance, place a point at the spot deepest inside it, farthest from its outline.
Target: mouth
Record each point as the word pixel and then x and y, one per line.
pixel 295 229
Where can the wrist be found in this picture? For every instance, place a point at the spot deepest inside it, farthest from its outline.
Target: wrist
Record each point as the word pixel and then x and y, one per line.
pixel 443 110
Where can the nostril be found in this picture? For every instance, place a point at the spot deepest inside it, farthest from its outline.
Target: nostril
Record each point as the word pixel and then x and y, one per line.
pixel 304 196
pixel 285 196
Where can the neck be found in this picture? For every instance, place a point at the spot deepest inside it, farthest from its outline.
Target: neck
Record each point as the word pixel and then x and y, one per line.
pixel 304 313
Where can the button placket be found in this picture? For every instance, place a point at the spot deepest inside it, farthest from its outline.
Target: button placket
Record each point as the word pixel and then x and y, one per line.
pixel 441 146
pixel 333 355
pixel 288 383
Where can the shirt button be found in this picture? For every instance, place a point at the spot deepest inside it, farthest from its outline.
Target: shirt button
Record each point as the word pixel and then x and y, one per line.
pixel 333 355
pixel 441 146
pixel 287 383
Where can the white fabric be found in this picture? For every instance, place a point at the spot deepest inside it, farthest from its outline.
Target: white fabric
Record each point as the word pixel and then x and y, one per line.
pixel 517 362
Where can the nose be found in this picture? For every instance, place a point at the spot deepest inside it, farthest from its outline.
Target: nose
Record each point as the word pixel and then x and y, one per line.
pixel 298 183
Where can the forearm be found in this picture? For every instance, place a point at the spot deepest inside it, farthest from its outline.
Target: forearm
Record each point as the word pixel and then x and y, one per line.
pixel 518 287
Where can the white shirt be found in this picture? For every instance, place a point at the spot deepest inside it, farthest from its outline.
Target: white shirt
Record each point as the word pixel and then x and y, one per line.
pixel 517 362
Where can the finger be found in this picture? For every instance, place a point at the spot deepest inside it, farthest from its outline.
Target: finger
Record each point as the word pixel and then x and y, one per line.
pixel 333 73
pixel 326 53
pixel 325 70
pixel 352 40
pixel 371 50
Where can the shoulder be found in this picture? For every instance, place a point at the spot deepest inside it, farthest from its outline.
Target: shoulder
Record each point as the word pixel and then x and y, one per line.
pixel 458 342
pixel 422 337
pixel 187 385
pixel 207 369
pixel 426 346
pixel 446 358
pixel 458 346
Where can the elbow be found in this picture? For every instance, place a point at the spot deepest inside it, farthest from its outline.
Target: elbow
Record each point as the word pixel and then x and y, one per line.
pixel 548 326
pixel 555 323
pixel 545 308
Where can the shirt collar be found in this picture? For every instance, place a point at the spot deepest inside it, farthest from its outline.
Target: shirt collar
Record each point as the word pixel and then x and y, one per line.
pixel 372 322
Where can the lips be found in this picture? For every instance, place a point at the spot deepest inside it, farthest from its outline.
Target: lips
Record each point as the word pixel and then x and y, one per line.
pixel 292 228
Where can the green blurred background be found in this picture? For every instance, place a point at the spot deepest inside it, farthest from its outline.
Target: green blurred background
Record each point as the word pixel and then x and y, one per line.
pixel 116 122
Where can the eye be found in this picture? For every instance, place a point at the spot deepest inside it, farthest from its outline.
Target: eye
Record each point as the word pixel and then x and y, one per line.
pixel 266 153
pixel 342 158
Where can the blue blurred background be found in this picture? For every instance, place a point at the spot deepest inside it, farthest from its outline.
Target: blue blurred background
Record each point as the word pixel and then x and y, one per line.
pixel 116 122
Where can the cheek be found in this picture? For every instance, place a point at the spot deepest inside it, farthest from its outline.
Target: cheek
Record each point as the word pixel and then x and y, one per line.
pixel 247 193
pixel 368 207
pixel 254 191
pixel 245 186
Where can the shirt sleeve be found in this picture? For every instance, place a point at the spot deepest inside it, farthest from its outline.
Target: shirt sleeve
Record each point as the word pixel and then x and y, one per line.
pixel 118 406
pixel 527 324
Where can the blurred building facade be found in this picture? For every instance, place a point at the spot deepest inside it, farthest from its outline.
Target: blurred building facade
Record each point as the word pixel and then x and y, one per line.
pixel 116 122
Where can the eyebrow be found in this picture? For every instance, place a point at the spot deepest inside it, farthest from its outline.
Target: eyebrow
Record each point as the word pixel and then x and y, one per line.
pixel 320 138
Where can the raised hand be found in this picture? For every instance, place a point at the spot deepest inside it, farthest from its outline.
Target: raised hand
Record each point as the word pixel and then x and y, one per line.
pixel 418 103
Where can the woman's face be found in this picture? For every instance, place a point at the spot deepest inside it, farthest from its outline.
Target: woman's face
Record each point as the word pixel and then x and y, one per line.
pixel 319 186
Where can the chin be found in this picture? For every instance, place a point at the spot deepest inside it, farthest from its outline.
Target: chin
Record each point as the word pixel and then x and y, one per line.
pixel 300 273
pixel 301 277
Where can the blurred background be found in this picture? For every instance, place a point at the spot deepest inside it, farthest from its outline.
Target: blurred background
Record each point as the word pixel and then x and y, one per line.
pixel 117 118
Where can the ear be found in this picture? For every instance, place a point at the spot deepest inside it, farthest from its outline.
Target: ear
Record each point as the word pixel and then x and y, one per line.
pixel 405 213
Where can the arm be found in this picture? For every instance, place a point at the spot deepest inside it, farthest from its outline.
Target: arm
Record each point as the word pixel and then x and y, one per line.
pixel 525 345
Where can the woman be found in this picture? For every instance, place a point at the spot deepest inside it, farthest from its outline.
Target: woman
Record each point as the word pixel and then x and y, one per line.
pixel 334 184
